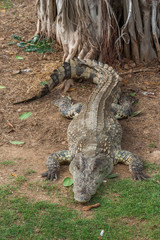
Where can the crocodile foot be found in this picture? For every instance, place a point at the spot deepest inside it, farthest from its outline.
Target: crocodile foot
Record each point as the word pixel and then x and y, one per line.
pixel 135 164
pixel 139 175
pixel 52 176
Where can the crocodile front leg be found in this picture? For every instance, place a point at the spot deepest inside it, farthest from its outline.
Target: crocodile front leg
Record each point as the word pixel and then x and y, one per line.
pixel 134 162
pixel 66 108
pixel 53 163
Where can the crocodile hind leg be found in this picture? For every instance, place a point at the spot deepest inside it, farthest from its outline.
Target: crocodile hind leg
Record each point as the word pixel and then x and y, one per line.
pixel 53 163
pixel 122 109
pixel 134 162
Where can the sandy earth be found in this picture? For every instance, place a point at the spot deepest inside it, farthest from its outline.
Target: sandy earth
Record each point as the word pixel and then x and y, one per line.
pixel 45 131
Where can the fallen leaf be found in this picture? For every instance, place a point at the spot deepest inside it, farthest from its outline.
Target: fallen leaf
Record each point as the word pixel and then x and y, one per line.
pixel 113 175
pixel 10 53
pixel 69 98
pixel 134 114
pixel 154 83
pixel 67 182
pixel 43 83
pixel 14 174
pixel 132 94
pixel 16 142
pixel 11 43
pixel 15 36
pixel 25 115
pixel 125 81
pixel 10 124
pixel 19 58
pixel 71 89
pixel 88 208
pixel 116 195
pixel 146 82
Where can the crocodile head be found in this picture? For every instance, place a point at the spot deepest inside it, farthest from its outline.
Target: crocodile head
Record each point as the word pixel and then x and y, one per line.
pixel 88 173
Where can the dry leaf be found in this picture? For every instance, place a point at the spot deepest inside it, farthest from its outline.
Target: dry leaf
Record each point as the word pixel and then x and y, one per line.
pixel 10 53
pixel 71 89
pixel 153 83
pixel 125 81
pixel 14 174
pixel 88 208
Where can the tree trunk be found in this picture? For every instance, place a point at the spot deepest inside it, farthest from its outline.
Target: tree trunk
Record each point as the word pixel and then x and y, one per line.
pixel 102 29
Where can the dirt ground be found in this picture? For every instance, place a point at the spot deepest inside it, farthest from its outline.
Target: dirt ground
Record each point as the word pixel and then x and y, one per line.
pixel 46 130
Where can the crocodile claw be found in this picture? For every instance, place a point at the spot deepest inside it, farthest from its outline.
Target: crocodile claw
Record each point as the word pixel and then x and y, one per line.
pixel 140 176
pixel 52 176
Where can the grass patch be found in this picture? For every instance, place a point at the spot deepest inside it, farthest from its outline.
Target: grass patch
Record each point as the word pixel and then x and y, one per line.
pixel 152 167
pixel 46 186
pixel 152 145
pixel 30 171
pixel 5 4
pixel 7 163
pixel 20 180
pixel 129 210
pixel 53 191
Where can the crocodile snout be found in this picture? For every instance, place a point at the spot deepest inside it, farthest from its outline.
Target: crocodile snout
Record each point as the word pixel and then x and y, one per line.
pixel 82 198
pixel 82 195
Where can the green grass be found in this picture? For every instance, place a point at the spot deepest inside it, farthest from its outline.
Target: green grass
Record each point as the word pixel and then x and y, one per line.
pixel 7 163
pixel 129 211
pixel 20 180
pixel 152 167
pixel 152 145
pixel 30 171
pixel 5 4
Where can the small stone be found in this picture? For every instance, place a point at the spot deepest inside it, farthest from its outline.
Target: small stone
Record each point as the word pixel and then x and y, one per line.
pixel 155 156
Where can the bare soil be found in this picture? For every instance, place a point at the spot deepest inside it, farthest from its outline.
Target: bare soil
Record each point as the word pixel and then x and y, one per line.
pixel 45 131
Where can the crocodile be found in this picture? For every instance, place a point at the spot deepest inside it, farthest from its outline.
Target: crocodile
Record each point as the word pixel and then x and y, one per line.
pixel 94 135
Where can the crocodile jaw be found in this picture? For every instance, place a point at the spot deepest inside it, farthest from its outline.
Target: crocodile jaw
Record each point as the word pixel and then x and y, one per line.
pixel 81 198
pixel 88 174
pixel 82 192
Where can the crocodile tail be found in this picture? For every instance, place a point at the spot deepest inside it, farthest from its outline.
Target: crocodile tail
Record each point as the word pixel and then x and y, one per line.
pixel 59 75
pixel 75 68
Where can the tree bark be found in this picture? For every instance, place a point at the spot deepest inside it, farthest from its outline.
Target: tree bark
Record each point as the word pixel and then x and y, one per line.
pixel 102 29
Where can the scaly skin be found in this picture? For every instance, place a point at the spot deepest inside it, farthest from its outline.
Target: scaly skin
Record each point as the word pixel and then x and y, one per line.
pixel 94 136
pixel 73 69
